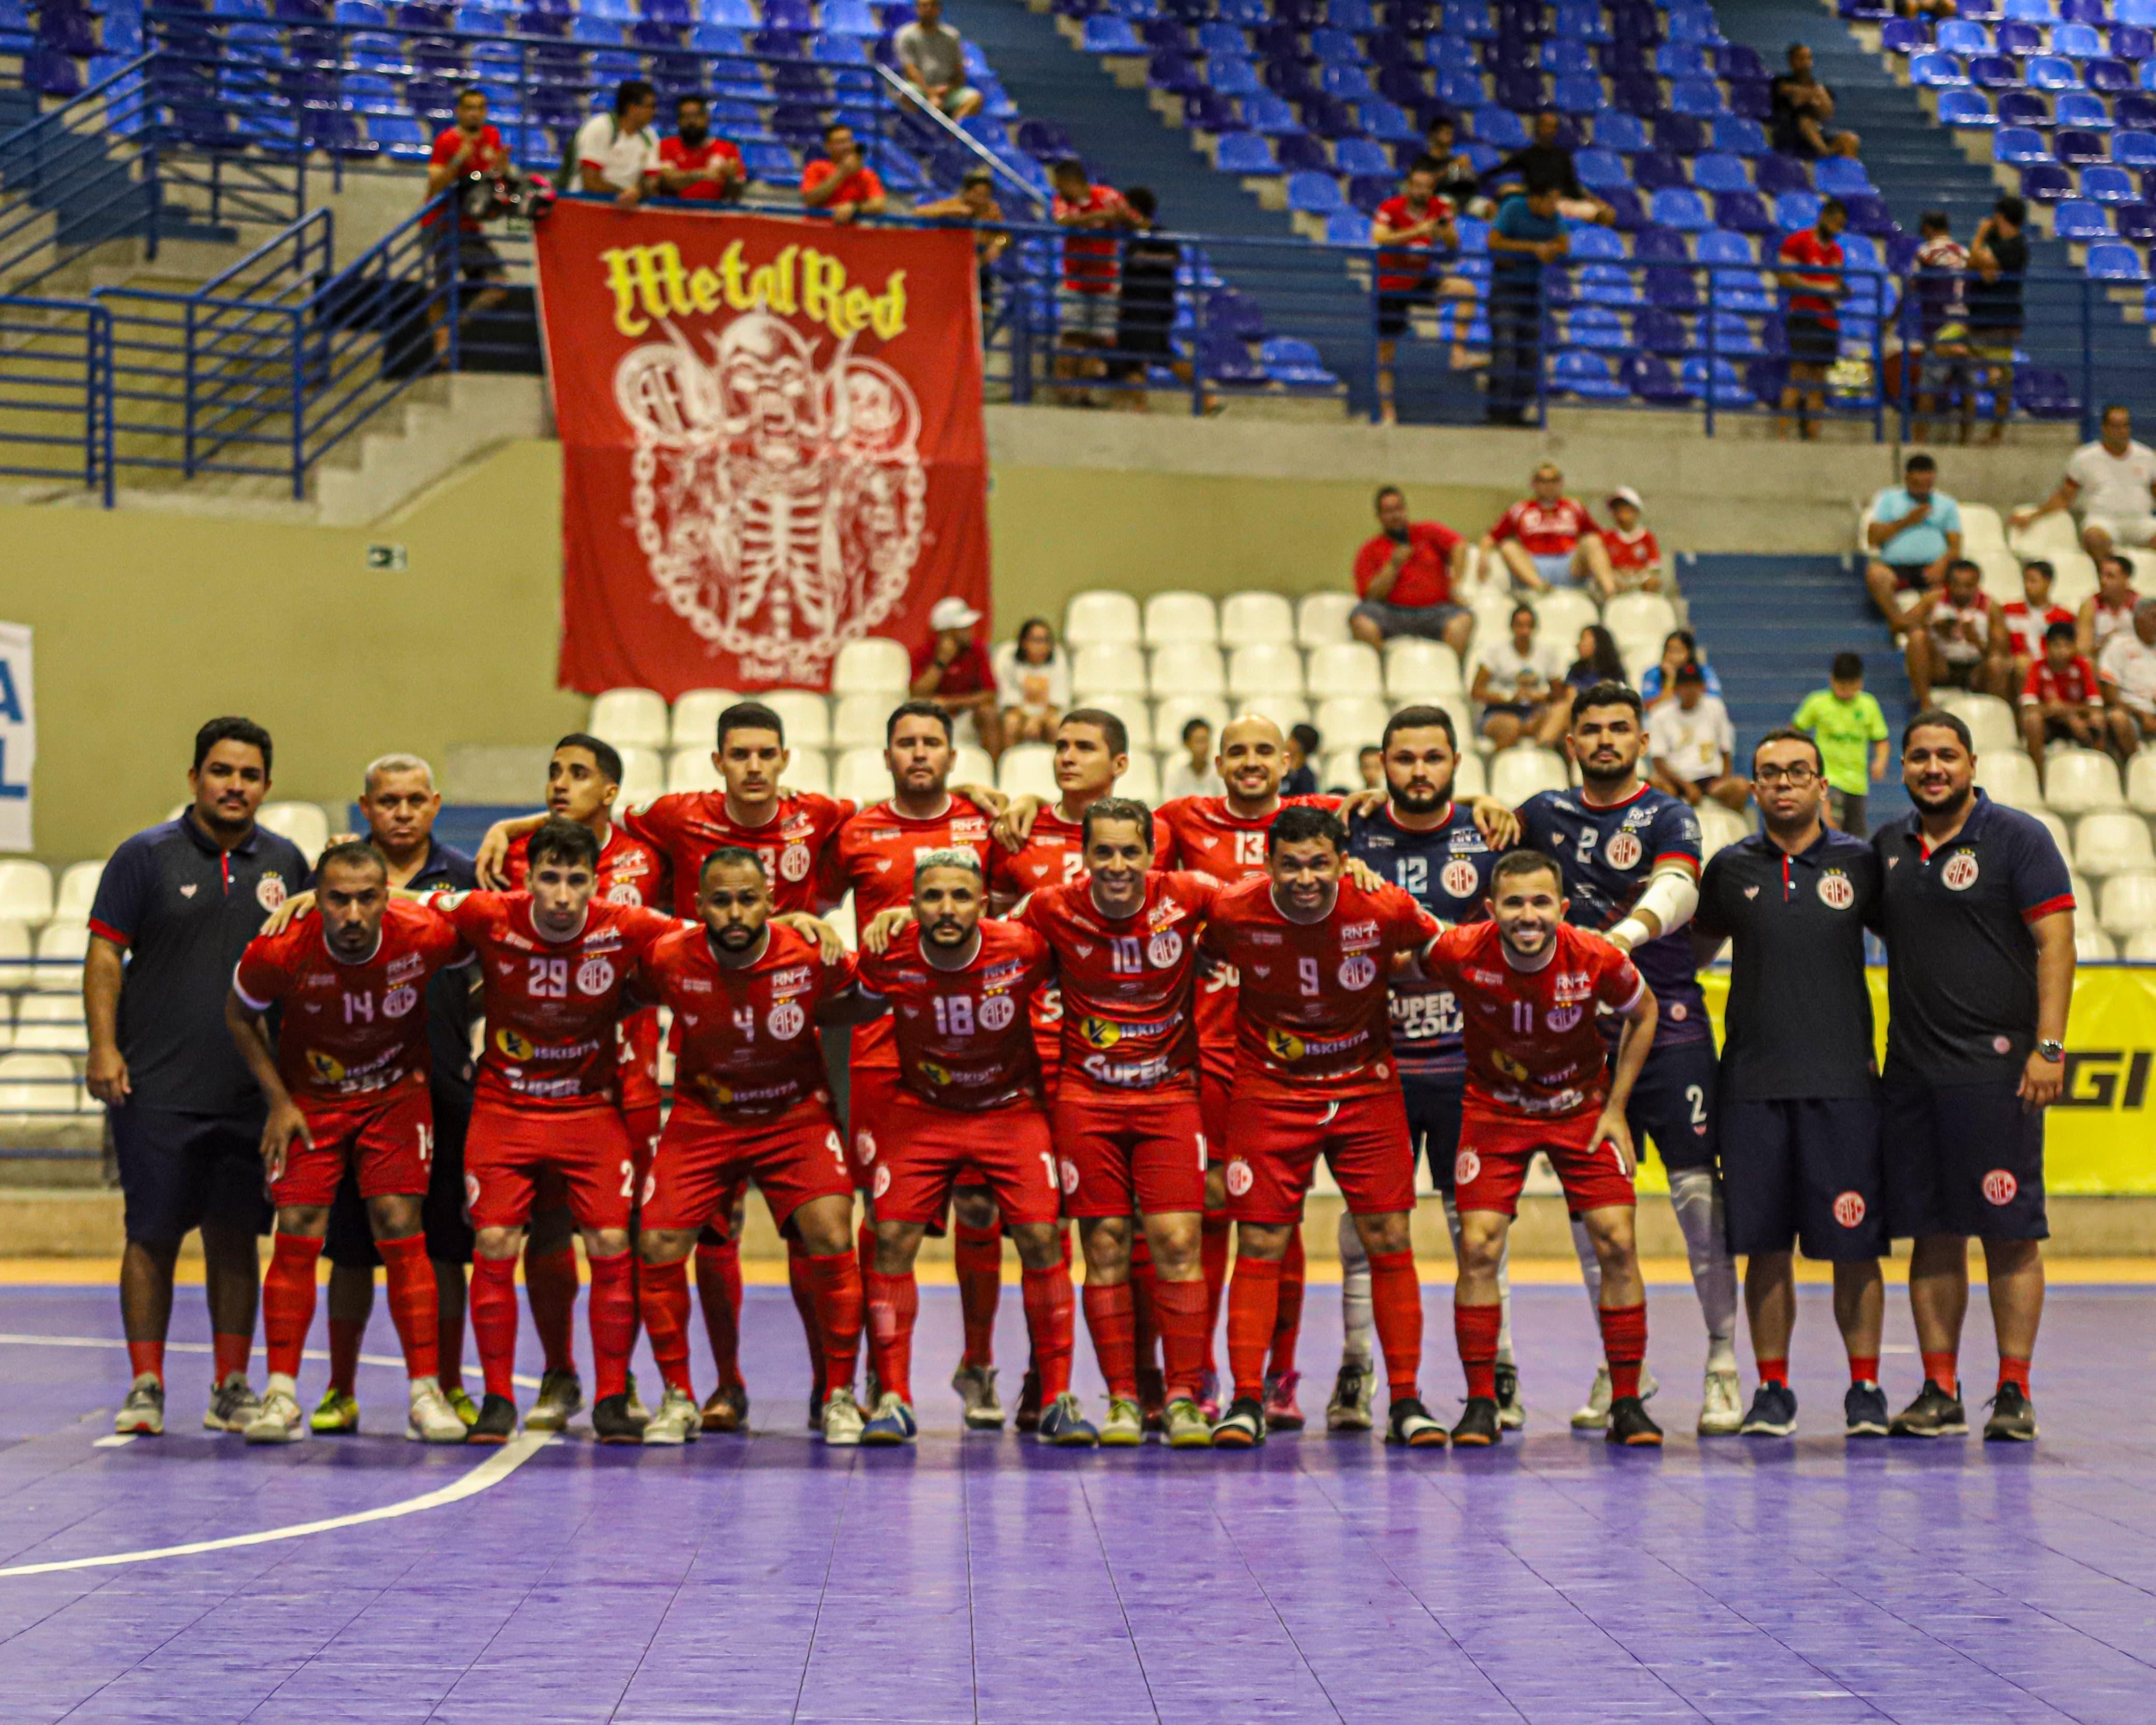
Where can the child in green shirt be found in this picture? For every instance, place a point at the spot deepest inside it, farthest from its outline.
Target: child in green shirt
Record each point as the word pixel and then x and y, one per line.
pixel 1851 734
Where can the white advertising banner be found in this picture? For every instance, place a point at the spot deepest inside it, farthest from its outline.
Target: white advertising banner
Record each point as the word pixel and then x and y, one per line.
pixel 18 735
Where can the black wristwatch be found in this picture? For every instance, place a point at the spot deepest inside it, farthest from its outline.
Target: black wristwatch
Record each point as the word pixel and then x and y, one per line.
pixel 2054 1052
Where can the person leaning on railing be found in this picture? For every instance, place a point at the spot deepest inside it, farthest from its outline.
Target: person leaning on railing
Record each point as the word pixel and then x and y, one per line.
pixel 974 202
pixel 616 154
pixel 695 163
pixel 842 185
pixel 470 146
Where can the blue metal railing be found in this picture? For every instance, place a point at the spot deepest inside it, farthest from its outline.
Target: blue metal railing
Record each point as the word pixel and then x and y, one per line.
pixel 56 392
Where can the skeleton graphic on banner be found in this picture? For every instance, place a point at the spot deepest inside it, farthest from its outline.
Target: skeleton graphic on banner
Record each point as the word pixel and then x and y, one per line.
pixel 778 502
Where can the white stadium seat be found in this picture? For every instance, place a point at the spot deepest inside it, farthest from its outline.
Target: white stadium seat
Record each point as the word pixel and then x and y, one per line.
pixel 1196 668
pixel 2074 576
pixel 2083 894
pixel 1105 668
pixel 1342 766
pixel 1344 668
pixel 306 824
pixel 1173 712
pixel 861 777
pixel 1321 618
pixel 810 770
pixel 2001 574
pixel 1246 618
pixel 631 717
pixel 16 947
pixel 1142 779
pixel 1718 827
pixel 1180 616
pixel 1639 618
pixel 691 769
pixel 1991 723
pixel 2092 946
pixel 1469 779
pixel 2077 780
pixel 1270 668
pixel 2056 828
pixel 1417 669
pixel 858 722
pixel 877 665
pixel 1493 609
pixel 26 891
pixel 805 714
pixel 77 889
pixel 1350 721
pixel 696 717
pixel 1286 711
pixel 38 1084
pixel 2140 782
pixel 52 1024
pixel 970 764
pixel 2009 776
pixel 1101 618
pixel 643 775
pixel 2046 538
pixel 1982 529
pixel 2114 841
pixel 1136 715
pixel 1563 612
pixel 2128 904
pixel 1518 773
pixel 1027 768
pixel 2140 946
pixel 1639 658
pixel 60 948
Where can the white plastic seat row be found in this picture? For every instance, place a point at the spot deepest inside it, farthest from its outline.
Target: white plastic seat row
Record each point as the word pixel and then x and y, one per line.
pixel 2112 841
pixel 2126 906
pixel 1992 725
pixel 1108 617
pixel 41 1083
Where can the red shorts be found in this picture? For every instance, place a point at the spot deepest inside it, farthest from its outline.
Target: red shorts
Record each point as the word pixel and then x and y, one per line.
pixel 508 1156
pixel 1214 1090
pixel 1120 1150
pixel 920 1151
pixel 1276 1137
pixel 703 1160
pixel 869 1092
pixel 637 1039
pixel 1491 1165
pixel 389 1139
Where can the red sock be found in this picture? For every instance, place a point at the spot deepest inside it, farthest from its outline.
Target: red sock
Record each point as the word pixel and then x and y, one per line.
pixel 345 1337
pixel 1474 1329
pixel 894 1302
pixel 288 1306
pixel 2014 1372
pixel 1940 1368
pixel 801 1281
pixel 1145 1325
pixel 550 1284
pixel 719 1289
pixel 1111 1320
pixel 1253 1303
pixel 449 1335
pixel 1396 1308
pixel 612 1324
pixel 230 1349
pixel 146 1360
pixel 1775 1372
pixel 1287 1319
pixel 1864 1368
pixel 1180 1307
pixel 664 1303
pixel 1625 1344
pixel 977 1252
pixel 835 1315
pixel 1213 1235
pixel 494 1322
pixel 1050 1315
pixel 864 1249
pixel 411 1280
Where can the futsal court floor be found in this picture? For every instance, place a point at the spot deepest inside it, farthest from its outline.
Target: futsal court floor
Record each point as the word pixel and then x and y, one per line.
pixel 1811 1581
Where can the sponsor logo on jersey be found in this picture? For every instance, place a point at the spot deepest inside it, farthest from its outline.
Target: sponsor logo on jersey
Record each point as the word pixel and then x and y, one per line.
pixel 789 981
pixel 327 1068
pixel 1126 1075
pixel 1510 1067
pixel 1960 872
pixel 1836 890
pixel 1100 1033
pixel 934 1073
pixel 517 1048
pixel 405 964
pixel 1285 1045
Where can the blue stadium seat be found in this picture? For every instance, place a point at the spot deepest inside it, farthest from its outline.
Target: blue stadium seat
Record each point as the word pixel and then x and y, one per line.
pixel 1348 227
pixel 1718 172
pixel 1315 194
pixel 2108 77
pixel 1680 208
pixel 1245 152
pixel 2078 218
pixel 2084 109
pixel 2133 42
pixel 1728 334
pixel 1777 173
pixel 2133 149
pixel 1388 121
pixel 2077 149
pixel 2024 107
pixel 2109 184
pixel 1933 70
pixel 2076 41
pixel 1620 131
pixel 1266 112
pixel 1699 376
pixel 1600 168
pixel 2047 71
pixel 1995 71
pixel 2018 146
pixel 1700 97
pixel 1579 94
pixel 1563 56
pixel 2136 222
pixel 1500 127
pixel 1107 34
pixel 1653 381
pixel 1452 54
pixel 1591 244
pixel 2112 261
pixel 2136 12
pixel 1796 209
pixel 1837 176
pixel 2046 183
pixel 1587 376
pixel 1294 364
pixel 1607 285
pixel 1965 107
pixel 1335 46
pixel 1961 35
pixel 1737 135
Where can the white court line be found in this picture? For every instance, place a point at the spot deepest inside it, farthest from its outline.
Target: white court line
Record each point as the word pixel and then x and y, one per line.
pixel 12 1338
pixel 492 1471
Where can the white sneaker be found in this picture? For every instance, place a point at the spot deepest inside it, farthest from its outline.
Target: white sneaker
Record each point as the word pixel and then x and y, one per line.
pixel 432 1420
pixel 678 1420
pixel 1595 1415
pixel 842 1420
pixel 233 1404
pixel 142 1415
pixel 278 1419
pixel 1720 1412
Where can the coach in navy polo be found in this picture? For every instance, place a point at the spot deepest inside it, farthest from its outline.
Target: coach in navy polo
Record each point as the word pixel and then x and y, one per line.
pixel 1798 1088
pixel 1978 910
pixel 176 908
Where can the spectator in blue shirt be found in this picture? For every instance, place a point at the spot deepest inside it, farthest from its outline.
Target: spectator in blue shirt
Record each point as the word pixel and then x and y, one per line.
pixel 1912 532
pixel 1528 234
pixel 1658 682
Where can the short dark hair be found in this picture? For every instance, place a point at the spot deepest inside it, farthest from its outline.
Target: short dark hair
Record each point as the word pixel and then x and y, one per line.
pixel 629 92
pixel 2015 209
pixel 688 96
pixel 1300 823
pixel 2043 563
pixel 1934 221
pixel 2059 632
pixel 1113 731
pixel 1526 861
pixel 1920 464
pixel 1141 198
pixel 732 855
pixel 1193 722
pixel 471 89
pixel 1420 718
pixel 352 853
pixel 1609 692
pixel 1306 737
pixel 750 715
pixel 608 757
pixel 918 710
pixel 2113 407
pixel 1513 616
pixel 232 729
pixel 1789 733
pixel 1114 808
pixel 1067 168
pixel 1385 491
pixel 1371 748
pixel 565 841
pixel 1425 165
pixel 1835 205
pixel 1966 563
pixel 1847 667
pixel 834 126
pixel 1937 717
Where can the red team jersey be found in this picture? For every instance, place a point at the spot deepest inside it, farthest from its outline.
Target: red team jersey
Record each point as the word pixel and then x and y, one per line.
pixel 1532 1047
pixel 1405 265
pixel 1129 1019
pixel 1544 530
pixel 1315 1007
pixel 749 1043
pixel 2073 686
pixel 631 872
pixel 2029 626
pixel 1053 854
pixel 1633 553
pixel 687 826
pixel 964 1040
pixel 349 1031
pixel 552 1006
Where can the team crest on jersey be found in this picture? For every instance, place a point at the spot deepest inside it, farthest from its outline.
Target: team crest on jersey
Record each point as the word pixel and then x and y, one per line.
pixel 997 1012
pixel 793 863
pixel 270 890
pixel 1285 1045
pixel 1459 878
pixel 516 1047
pixel 399 1001
pixel 1960 871
pixel 787 1020
pixel 327 1067
pixel 1357 971
pixel 1624 850
pixel 594 976
pixel 1099 1033
pixel 1163 949
pixel 624 892
pixel 1836 890
pixel 1561 1018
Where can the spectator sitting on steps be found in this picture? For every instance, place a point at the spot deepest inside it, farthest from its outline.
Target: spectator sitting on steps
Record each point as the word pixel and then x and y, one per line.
pixel 1549 540
pixel 1803 120
pixel 1404 579
pixel 1955 638
pixel 931 56
pixel 2061 701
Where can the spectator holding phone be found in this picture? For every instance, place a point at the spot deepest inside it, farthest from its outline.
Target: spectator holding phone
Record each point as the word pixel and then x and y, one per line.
pixel 1913 532
pixel 1404 579
pixel 842 185
pixel 470 146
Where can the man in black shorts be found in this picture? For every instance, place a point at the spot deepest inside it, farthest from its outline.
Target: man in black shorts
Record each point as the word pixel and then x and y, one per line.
pixel 1977 912
pixel 1810 269
pixel 1798 1088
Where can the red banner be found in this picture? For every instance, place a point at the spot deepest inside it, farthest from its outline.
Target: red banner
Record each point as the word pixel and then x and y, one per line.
pixel 770 439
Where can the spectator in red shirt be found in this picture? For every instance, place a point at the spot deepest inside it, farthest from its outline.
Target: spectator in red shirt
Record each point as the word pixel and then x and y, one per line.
pixel 1635 560
pixel 695 165
pixel 1549 540
pixel 2061 697
pixel 1086 307
pixel 2029 619
pixel 952 668
pixel 470 146
pixel 1810 273
pixel 841 184
pixel 1417 224
pixel 1404 577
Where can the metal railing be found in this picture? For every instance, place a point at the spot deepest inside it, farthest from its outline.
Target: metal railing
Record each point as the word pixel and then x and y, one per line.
pixel 56 392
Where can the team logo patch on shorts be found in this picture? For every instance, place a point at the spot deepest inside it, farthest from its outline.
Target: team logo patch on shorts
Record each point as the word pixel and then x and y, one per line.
pixel 650 1185
pixel 471 1195
pixel 1960 871
pixel 1849 1209
pixel 1240 1179
pixel 1465 1166
pixel 1999 1186
pixel 864 1145
pixel 1068 1170
pixel 1836 890
pixel 881 1184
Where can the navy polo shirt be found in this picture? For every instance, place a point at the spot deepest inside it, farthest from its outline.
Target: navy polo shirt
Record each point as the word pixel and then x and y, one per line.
pixel 1961 963
pixel 451 1006
pixel 1797 1027
pixel 184 911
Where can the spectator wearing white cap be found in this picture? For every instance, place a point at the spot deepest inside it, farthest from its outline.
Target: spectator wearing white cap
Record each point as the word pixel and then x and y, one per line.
pixel 953 668
pixel 1635 560
pixel 2127 673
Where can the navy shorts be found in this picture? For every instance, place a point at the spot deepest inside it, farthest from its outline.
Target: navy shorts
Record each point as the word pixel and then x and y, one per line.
pixel 351 1240
pixel 1961 1158
pixel 1673 1104
pixel 1804 1173
pixel 1434 1123
pixel 178 1172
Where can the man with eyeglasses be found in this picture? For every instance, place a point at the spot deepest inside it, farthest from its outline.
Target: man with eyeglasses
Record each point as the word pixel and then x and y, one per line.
pixel 1798 1087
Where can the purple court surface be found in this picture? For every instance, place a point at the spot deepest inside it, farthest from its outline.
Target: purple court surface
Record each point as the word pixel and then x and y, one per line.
pixel 984 1578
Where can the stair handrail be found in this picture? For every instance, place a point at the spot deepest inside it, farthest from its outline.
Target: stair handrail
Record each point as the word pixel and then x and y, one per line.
pixel 28 145
pixel 909 102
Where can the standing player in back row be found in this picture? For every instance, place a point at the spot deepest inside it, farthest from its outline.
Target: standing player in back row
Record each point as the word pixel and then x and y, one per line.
pixel 1629 858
